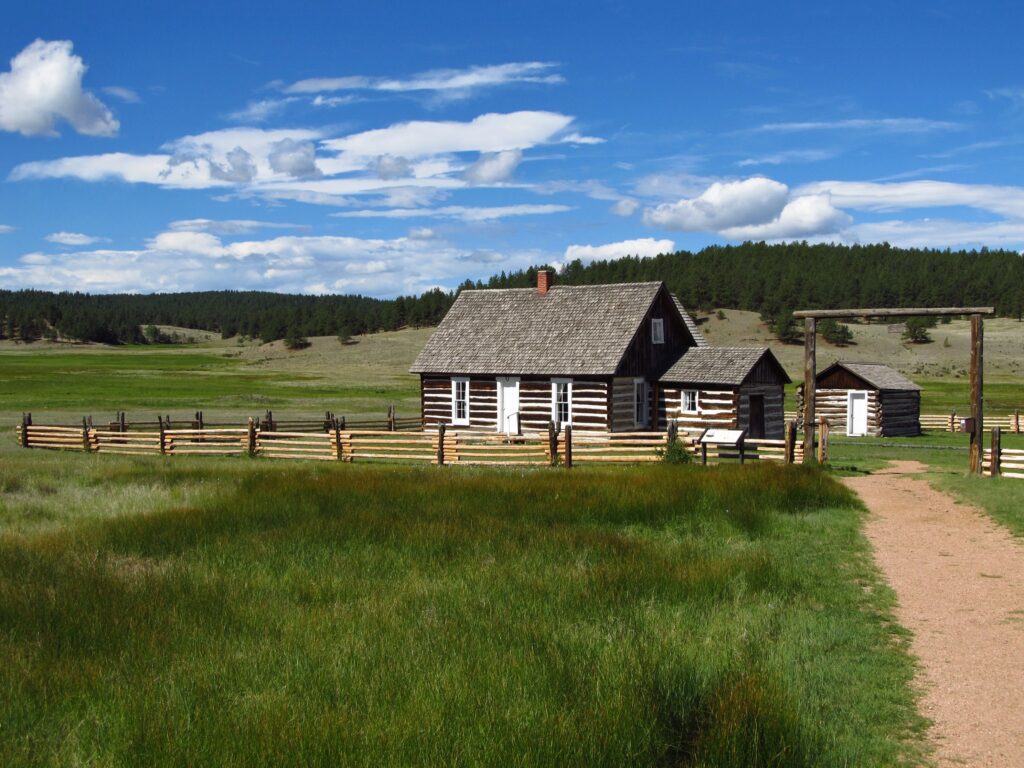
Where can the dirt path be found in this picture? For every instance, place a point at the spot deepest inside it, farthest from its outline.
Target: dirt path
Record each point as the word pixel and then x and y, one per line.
pixel 959 579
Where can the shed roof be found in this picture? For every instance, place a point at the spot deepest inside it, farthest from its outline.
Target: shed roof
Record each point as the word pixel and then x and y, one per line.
pixel 878 375
pixel 573 330
pixel 727 366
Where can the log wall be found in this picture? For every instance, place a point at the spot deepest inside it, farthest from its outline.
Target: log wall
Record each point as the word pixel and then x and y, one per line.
pixel 890 413
pixel 774 408
pixel 715 408
pixel 589 405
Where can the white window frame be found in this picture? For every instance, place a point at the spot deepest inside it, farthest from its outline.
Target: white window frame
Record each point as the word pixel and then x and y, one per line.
pixel 696 401
pixel 657 331
pixel 640 385
pixel 555 383
pixel 456 421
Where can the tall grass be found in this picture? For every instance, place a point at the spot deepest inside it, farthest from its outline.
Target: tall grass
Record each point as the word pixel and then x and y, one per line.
pixel 378 615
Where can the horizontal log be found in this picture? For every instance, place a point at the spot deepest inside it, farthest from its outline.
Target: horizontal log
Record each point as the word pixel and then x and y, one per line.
pixel 122 452
pixel 207 451
pixel 262 443
pixel 620 460
pixel 462 457
pixel 409 457
pixel 895 312
pixel 310 456
pixel 486 463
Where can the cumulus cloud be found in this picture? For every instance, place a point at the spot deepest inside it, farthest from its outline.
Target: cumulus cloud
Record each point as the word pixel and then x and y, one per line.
pixel 73 238
pixel 802 217
pixel 422 233
pixel 44 86
pixel 391 167
pixel 294 158
pixel 493 167
pixel 722 205
pixel 755 208
pixel 462 81
pixel 238 167
pixel 645 246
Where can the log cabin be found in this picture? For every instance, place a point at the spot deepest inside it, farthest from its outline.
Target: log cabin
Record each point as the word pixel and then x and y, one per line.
pixel 594 356
pixel 867 399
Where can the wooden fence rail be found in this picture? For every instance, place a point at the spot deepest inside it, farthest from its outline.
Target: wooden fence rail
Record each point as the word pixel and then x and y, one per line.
pixel 443 446
pixel 950 422
pixel 997 461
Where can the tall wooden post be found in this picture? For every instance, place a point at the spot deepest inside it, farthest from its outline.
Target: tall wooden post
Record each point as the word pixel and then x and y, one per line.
pixel 440 444
pixel 1016 421
pixel 997 450
pixel 790 442
pixel 553 443
pixel 568 446
pixel 822 440
pixel 24 431
pixel 250 438
pixel 163 435
pixel 85 435
pixel 977 391
pixel 810 385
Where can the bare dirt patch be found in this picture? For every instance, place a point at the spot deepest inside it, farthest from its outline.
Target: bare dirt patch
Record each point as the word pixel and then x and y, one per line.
pixel 959 580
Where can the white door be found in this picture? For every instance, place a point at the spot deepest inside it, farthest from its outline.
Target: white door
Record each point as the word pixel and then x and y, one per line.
pixel 857 414
pixel 508 405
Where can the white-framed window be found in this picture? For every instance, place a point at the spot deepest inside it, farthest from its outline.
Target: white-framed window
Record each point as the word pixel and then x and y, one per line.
pixel 460 401
pixel 640 392
pixel 690 401
pixel 657 331
pixel 561 401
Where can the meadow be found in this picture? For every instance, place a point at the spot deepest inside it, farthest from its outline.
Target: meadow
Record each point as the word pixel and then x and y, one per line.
pixel 232 611
pixel 237 612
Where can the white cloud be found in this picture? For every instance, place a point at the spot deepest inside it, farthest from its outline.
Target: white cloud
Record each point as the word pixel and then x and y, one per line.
pixel 875 196
pixel 294 158
pixel 579 138
pixel 73 238
pixel 627 206
pixel 43 86
pixel 788 156
pixel 238 167
pixel 491 132
pixel 422 233
pixel 439 80
pixel 493 167
pixel 227 226
pixel 333 101
pixel 127 95
pixel 643 247
pixel 722 205
pixel 390 167
pixel 940 233
pixel 293 263
pixel 880 125
pixel 802 217
pixel 464 213
pixel 260 111
pixel 5 229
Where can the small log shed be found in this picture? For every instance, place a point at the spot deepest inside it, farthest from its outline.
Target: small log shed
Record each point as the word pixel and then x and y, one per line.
pixel 867 399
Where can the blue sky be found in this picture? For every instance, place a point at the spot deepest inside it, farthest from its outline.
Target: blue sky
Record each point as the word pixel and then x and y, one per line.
pixel 385 148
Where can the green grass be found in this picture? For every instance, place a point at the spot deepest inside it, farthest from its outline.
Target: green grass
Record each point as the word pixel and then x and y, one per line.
pixel 234 612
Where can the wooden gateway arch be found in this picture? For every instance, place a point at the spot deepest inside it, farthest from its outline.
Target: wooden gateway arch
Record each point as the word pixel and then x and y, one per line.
pixel 811 317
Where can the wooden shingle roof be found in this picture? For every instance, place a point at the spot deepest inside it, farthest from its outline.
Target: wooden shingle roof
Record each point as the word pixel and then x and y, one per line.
pixel 573 330
pixel 691 326
pixel 727 366
pixel 878 375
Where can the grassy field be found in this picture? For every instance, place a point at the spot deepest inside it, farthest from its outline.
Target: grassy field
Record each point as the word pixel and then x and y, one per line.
pixel 234 612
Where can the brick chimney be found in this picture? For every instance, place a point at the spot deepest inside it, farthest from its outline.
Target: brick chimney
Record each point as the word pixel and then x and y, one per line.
pixel 543 281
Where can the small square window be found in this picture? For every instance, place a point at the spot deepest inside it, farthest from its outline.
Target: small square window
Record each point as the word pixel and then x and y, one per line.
pixel 657 331
pixel 689 401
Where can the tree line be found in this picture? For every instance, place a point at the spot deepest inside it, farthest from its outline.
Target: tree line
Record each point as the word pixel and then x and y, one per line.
pixel 770 279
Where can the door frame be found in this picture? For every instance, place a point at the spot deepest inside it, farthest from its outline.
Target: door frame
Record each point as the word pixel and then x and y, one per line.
pixel 750 417
pixel 851 395
pixel 500 382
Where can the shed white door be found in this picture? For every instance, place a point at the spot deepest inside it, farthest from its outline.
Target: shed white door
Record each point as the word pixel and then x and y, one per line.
pixel 508 405
pixel 857 414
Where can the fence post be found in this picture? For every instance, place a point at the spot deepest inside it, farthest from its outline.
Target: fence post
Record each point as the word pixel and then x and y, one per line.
pixel 24 430
pixel 743 450
pixel 1016 421
pixel 440 444
pixel 121 426
pixel 250 438
pixel 952 421
pixel 790 452
pixel 342 422
pixel 703 453
pixel 997 450
pixel 163 435
pixel 337 441
pixel 85 435
pixel 823 440
pixel 673 432
pixel 269 421
pixel 552 443
pixel 568 446
pixel 519 424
